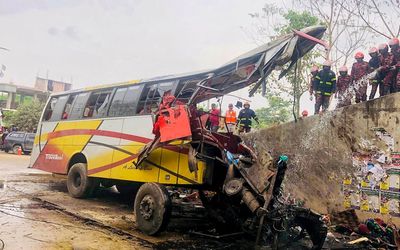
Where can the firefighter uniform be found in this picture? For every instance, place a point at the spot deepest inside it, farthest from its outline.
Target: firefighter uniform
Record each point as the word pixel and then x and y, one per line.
pixel 326 80
pixel 244 119
pixel 387 74
pixel 358 71
pixel 343 90
pixel 376 81
pixel 396 61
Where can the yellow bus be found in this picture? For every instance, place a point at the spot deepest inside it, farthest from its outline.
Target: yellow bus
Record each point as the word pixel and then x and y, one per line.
pixel 144 135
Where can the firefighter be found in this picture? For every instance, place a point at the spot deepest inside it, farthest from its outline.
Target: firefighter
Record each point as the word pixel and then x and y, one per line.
pixel 373 65
pixel 358 72
pixel 395 50
pixel 313 84
pixel 244 118
pixel 230 118
pixel 386 70
pixel 326 80
pixel 343 92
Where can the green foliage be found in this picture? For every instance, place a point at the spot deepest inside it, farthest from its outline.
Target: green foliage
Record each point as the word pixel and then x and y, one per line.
pixel 296 21
pixel 26 117
pixel 277 112
pixel 296 82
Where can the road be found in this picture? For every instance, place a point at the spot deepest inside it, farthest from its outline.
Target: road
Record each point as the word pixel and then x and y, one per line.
pixel 36 212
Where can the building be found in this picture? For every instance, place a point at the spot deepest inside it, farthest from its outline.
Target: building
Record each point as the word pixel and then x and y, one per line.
pixel 53 86
pixel 13 95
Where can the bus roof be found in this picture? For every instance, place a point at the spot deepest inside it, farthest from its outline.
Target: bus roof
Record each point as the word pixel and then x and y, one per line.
pixel 249 68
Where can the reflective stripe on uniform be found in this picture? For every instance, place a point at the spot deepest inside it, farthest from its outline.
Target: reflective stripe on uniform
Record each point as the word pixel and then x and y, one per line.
pixel 327 93
pixel 328 83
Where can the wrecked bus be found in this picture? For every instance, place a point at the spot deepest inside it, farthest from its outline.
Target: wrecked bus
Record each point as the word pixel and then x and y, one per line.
pixel 145 135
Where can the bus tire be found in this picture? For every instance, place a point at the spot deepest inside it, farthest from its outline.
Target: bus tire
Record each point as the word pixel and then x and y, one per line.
pixel 78 183
pixel 152 208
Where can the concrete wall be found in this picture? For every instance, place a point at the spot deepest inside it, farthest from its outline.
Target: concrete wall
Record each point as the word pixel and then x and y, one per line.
pixel 328 155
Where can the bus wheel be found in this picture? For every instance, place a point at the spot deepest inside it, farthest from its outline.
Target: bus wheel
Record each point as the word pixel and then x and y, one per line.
pixel 152 208
pixel 78 183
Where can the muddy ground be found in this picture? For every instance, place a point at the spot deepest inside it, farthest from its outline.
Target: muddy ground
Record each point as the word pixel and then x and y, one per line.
pixel 37 213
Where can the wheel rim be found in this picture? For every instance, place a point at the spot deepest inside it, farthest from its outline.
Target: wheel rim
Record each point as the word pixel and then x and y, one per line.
pixel 146 208
pixel 77 180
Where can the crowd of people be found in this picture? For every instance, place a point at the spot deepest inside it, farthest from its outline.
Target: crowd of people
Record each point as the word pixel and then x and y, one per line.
pixel 242 123
pixel 383 62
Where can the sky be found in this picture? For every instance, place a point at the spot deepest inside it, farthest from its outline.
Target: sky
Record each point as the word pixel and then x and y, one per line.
pixel 92 42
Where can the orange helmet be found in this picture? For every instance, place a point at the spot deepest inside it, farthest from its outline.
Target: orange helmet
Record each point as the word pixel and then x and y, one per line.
pixel 327 63
pixel 343 69
pixel 382 46
pixel 372 50
pixel 394 41
pixel 359 55
pixel 314 68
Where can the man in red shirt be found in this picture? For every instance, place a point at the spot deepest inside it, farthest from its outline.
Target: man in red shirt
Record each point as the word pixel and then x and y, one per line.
pixel 214 118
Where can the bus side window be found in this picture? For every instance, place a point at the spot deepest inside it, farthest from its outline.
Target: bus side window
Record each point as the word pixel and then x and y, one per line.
pixel 59 108
pixel 149 103
pixel 68 107
pixel 78 105
pixel 49 109
pixel 130 101
pixel 117 102
pixel 97 104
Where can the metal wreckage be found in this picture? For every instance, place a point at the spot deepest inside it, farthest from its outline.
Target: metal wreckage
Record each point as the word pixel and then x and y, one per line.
pixel 244 183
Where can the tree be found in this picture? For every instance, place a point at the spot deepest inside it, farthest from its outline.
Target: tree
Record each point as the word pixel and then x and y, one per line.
pixel 345 32
pixel 27 116
pixel 296 82
pixel 380 17
pixel 277 112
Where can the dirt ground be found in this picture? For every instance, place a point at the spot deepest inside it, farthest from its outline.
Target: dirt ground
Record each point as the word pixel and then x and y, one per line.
pixel 36 212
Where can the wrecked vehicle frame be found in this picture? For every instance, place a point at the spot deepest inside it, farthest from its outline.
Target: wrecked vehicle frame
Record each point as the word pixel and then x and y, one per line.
pixel 240 185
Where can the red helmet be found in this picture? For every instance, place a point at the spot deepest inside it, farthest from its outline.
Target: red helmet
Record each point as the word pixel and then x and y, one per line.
pixel 359 55
pixel 372 50
pixel 304 113
pixel 343 69
pixel 314 68
pixel 382 46
pixel 327 63
pixel 394 41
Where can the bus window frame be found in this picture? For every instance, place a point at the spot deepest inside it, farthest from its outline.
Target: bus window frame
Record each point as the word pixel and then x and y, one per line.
pixel 140 89
pixel 156 86
pixel 98 91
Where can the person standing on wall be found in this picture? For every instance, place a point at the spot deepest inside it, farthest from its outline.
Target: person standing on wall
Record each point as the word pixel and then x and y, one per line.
pixel 374 64
pixel 343 88
pixel 358 72
pixel 245 117
pixel 326 80
pixel 230 118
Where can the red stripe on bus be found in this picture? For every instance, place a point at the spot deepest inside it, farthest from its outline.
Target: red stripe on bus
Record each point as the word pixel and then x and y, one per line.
pixel 69 132
pixel 112 165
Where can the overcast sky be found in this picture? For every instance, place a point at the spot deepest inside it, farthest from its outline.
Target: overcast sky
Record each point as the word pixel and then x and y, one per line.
pixel 102 41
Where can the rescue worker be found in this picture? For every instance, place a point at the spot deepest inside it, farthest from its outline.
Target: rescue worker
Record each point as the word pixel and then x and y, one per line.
pixel 244 118
pixel 214 118
pixel 343 91
pixel 230 118
pixel 395 50
pixel 386 70
pixel 373 65
pixel 313 84
pixel 358 71
pixel 326 82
